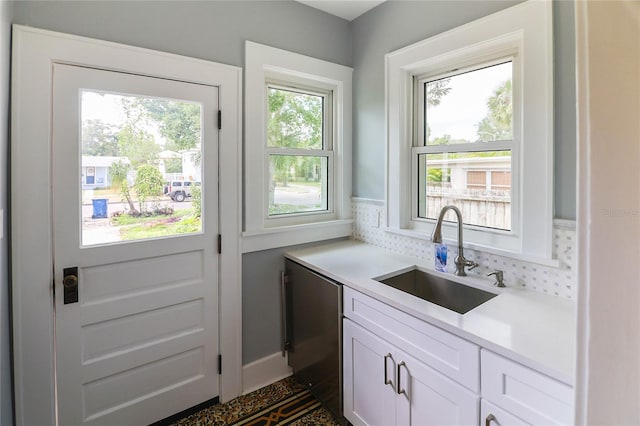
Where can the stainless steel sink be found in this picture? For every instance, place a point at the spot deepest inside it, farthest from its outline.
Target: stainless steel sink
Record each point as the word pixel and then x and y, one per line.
pixel 441 291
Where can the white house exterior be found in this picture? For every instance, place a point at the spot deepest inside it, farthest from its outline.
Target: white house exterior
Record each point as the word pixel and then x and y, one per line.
pixel 190 165
pixel 95 170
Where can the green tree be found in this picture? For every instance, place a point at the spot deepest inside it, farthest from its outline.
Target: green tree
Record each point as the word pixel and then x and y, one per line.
pixel 173 165
pixel 137 145
pixel 134 141
pixel 148 184
pixel 294 121
pixel 118 176
pixel 179 122
pixel 99 139
pixel 497 125
pixel 196 200
pixel 436 90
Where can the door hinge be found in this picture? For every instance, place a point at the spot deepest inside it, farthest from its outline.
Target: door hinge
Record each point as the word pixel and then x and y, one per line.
pixel 219 363
pixel 219 119
pixel 219 243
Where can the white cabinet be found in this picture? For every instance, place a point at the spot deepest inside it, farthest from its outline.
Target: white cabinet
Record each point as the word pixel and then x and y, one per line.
pixel 526 394
pixel 399 370
pixel 450 355
pixel 385 386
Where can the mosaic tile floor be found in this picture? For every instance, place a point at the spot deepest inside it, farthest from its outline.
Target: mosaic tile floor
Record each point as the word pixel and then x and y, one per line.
pixel 282 403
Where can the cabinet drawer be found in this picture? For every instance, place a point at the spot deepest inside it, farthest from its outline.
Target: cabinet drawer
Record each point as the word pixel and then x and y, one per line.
pixel 532 396
pixel 444 352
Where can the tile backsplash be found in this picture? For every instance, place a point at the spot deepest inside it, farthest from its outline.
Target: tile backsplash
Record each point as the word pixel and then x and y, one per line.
pixel 368 226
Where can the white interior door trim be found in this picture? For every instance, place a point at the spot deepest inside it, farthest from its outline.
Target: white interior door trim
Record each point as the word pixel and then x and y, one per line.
pixel 34 52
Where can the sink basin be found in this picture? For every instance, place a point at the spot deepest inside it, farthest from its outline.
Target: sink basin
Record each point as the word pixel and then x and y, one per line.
pixel 441 291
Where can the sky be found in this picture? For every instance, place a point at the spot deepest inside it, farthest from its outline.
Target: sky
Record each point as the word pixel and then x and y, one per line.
pixel 466 104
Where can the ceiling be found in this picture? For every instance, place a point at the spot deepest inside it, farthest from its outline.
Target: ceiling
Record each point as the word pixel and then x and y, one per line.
pixel 347 9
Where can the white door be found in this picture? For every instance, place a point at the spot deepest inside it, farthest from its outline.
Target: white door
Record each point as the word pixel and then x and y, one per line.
pixel 369 377
pixel 141 341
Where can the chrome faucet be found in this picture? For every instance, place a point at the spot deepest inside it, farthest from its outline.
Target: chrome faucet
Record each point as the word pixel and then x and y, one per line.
pixel 436 237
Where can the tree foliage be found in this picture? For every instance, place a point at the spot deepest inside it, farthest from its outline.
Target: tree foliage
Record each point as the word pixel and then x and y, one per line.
pixel 436 90
pixel 294 121
pixel 497 125
pixel 137 145
pixel 148 184
pixel 118 176
pixel 178 122
pixel 99 139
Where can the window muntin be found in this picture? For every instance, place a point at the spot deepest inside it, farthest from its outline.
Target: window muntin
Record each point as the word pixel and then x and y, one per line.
pixel 464 132
pixel 299 150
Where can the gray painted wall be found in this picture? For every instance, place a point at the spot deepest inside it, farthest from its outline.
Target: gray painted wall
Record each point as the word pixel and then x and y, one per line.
pixel 212 30
pixel 6 397
pixel 396 24
pixel 261 302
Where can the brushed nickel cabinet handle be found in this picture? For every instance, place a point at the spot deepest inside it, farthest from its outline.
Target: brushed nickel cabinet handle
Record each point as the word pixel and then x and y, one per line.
pixel 399 389
pixel 386 378
pixel 490 418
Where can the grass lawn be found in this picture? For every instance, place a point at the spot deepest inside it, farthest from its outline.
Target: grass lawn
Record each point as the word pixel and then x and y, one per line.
pixel 137 228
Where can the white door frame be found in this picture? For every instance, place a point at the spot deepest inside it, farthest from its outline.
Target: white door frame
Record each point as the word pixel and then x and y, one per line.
pixel 34 52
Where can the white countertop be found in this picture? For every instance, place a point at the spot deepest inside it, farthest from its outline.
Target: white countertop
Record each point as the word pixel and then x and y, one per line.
pixel 534 329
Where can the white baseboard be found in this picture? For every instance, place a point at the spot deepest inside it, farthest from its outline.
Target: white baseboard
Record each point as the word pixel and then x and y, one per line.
pixel 264 371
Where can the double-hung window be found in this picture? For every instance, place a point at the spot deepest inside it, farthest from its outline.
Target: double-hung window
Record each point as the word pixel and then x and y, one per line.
pixel 463 142
pixel 470 124
pixel 297 152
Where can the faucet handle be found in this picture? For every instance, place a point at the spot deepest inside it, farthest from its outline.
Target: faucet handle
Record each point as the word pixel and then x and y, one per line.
pixel 472 265
pixel 499 278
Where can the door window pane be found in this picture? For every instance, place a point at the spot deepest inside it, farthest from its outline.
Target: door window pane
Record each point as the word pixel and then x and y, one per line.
pixel 297 183
pixel 461 179
pixel 139 158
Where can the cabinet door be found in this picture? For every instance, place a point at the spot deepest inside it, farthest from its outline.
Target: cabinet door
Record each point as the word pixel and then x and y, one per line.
pixel 367 363
pixel 427 398
pixel 491 415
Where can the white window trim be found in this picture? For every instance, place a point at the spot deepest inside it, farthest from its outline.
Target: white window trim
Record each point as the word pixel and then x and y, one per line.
pixel 263 65
pixel 526 29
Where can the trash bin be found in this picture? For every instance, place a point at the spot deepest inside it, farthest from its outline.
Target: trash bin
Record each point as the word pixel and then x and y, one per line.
pixel 99 208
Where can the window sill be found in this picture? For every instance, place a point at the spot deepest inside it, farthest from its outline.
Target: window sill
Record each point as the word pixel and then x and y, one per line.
pixel 553 263
pixel 284 236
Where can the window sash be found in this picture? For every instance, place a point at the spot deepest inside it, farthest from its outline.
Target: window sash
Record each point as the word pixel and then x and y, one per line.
pixel 420 81
pixel 419 197
pixel 326 151
pixel 329 188
pixel 327 107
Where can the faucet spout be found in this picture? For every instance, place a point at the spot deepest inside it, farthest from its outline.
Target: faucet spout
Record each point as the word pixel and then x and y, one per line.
pixel 436 237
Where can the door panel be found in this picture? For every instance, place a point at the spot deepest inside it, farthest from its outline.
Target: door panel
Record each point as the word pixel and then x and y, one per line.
pixel 432 399
pixel 141 343
pixel 367 399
